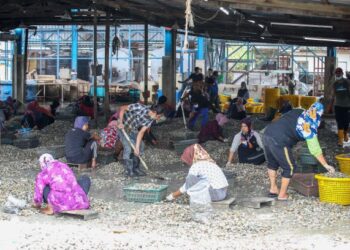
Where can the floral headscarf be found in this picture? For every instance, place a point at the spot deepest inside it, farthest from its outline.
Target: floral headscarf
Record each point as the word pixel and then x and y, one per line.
pixel 45 160
pixel 195 153
pixel 309 121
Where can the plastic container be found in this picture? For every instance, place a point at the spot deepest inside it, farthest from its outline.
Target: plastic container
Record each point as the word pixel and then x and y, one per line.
pixel 271 98
pixel 224 98
pixel 307 101
pixel 334 190
pixel 134 194
pixel 305 184
pixel 307 159
pixel 180 146
pixel 344 163
pixel 293 99
pixel 24 143
pixel 56 151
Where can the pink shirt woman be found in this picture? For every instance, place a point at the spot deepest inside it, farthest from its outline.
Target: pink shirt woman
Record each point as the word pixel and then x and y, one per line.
pixel 65 193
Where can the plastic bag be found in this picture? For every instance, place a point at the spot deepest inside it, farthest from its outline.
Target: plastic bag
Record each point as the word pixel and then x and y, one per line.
pixel 200 202
pixel 14 205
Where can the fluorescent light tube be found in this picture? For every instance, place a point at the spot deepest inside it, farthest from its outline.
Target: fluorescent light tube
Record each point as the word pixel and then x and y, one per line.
pixel 302 25
pixel 224 10
pixel 325 39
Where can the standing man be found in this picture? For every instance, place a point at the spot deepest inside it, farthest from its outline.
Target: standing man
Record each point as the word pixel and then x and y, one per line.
pixel 136 119
pixel 196 76
pixel 291 84
pixel 341 100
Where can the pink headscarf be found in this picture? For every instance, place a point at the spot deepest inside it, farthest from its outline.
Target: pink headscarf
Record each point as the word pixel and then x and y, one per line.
pixel 221 119
pixel 45 160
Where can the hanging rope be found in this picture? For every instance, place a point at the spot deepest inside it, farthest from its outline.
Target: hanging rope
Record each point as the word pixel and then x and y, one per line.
pixel 189 22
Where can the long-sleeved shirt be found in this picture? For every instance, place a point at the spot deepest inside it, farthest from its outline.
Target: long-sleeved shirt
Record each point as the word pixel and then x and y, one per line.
pixel 65 192
pixel 209 171
pixel 237 140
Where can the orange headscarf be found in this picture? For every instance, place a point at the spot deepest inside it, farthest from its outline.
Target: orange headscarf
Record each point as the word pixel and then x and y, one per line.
pixel 195 153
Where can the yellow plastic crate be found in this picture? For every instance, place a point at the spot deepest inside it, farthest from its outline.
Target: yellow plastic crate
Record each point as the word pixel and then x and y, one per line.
pixel 344 163
pixel 224 98
pixel 307 101
pixel 334 190
pixel 293 99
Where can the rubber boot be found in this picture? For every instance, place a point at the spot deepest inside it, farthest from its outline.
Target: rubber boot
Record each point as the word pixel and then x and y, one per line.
pixel 340 137
pixel 346 135
pixel 128 167
pixel 136 166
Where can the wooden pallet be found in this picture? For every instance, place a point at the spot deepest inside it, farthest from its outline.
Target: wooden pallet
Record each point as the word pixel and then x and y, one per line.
pixel 225 204
pixel 257 202
pixel 81 214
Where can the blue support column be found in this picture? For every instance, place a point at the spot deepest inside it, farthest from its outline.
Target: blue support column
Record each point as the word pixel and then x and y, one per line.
pixel 168 42
pixel 74 48
pixel 331 52
pixel 19 41
pixel 200 48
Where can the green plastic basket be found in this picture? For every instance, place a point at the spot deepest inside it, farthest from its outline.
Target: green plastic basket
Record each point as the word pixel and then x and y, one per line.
pixel 145 195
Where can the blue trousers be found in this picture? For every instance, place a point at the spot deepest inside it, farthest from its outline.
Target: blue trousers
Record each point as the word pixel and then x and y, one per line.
pixel 204 112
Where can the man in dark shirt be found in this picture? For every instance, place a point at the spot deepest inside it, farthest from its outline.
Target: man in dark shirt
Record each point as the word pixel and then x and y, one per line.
pixel 196 76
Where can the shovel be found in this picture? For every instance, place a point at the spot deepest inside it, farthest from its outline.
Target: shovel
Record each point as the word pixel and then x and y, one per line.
pixel 141 160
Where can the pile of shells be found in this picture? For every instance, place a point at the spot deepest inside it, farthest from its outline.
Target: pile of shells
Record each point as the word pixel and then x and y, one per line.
pixel 336 175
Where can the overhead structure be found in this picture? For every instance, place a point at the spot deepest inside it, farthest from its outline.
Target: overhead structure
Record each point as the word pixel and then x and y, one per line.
pixel 299 22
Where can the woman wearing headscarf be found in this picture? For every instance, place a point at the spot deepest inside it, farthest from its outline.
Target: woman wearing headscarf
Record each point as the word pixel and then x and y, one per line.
pixel 37 116
pixel 280 137
pixel 237 109
pixel 243 92
pixel 248 144
pixel 80 145
pixel 203 171
pixel 213 130
pixel 57 186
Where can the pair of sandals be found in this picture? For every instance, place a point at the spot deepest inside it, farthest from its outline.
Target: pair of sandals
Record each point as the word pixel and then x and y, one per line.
pixel 274 195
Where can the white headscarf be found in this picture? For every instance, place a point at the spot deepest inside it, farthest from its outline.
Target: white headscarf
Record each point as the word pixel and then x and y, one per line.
pixel 45 159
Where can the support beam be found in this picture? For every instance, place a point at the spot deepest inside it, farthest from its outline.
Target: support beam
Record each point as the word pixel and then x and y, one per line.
pixel 169 67
pixel 330 64
pixel 74 64
pixel 146 64
pixel 292 7
pixel 24 67
pixel 95 67
pixel 106 73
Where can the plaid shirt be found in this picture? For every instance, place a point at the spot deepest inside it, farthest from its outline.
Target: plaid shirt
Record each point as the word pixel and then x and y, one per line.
pixel 136 117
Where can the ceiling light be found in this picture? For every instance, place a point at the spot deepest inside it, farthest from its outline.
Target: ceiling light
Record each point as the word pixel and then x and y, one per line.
pixel 303 25
pixel 251 21
pixel 325 39
pixel 261 26
pixel 225 10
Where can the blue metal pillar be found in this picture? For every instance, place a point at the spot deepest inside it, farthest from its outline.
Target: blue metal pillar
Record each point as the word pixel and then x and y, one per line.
pixel 19 41
pixel 74 48
pixel 168 42
pixel 331 52
pixel 200 48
